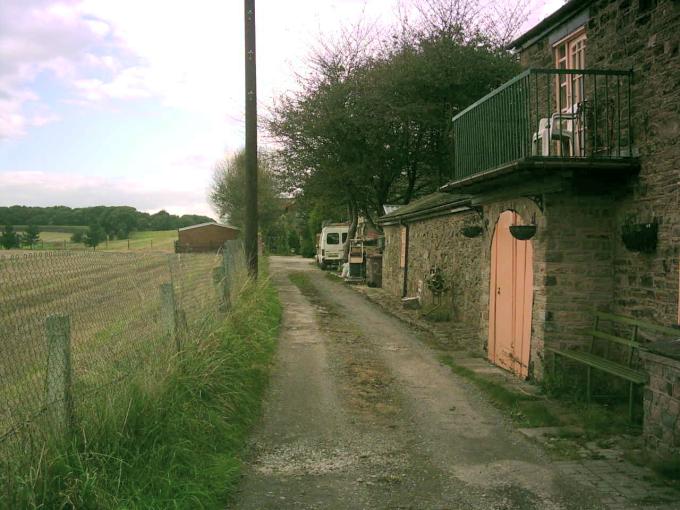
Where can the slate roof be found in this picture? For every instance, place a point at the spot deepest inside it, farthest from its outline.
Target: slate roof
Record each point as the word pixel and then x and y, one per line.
pixel 434 204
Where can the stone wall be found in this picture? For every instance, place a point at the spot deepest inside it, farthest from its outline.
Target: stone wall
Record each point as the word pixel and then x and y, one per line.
pixel 643 36
pixel 662 406
pixel 440 242
pixel 392 274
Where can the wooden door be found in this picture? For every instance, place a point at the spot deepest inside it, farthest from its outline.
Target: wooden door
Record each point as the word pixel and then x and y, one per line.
pixel 511 298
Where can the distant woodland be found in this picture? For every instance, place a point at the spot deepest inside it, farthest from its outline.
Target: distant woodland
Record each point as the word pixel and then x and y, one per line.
pixel 115 221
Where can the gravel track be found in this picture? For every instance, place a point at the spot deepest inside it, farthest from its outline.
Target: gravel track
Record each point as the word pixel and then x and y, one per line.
pixel 361 415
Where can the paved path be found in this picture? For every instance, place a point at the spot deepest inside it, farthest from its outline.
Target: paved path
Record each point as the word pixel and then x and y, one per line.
pixel 361 415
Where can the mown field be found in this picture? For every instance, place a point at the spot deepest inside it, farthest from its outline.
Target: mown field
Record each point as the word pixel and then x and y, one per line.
pixel 155 240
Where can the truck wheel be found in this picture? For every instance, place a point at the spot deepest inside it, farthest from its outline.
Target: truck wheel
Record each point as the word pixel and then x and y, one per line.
pixel 322 265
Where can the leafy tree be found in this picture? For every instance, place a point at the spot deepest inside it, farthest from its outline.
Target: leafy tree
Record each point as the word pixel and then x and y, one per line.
pixel 370 126
pixel 9 238
pixel 77 237
pixel 227 192
pixel 94 236
pixel 31 236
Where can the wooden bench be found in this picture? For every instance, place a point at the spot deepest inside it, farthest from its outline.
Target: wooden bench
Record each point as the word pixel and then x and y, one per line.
pixel 619 368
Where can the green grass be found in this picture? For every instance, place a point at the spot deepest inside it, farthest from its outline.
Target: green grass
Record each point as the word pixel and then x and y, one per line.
pixel 170 437
pixel 525 410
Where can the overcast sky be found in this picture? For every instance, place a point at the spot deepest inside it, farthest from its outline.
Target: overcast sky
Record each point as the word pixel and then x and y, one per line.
pixel 131 102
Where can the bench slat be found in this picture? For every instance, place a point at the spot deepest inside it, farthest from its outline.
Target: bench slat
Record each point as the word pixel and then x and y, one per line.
pixel 640 324
pixel 612 338
pixel 630 374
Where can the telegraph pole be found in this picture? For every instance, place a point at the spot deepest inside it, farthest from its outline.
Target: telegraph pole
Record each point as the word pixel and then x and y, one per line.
pixel 251 139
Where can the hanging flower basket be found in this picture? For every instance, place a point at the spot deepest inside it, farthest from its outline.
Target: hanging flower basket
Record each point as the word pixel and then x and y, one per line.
pixel 523 232
pixel 640 237
pixel 472 231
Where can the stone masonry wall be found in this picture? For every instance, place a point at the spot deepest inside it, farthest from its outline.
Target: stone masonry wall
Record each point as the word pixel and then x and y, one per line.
pixel 572 267
pixel 662 406
pixel 642 35
pixel 440 242
pixel 392 274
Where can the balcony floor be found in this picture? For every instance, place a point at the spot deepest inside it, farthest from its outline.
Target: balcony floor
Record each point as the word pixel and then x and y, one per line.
pixel 533 171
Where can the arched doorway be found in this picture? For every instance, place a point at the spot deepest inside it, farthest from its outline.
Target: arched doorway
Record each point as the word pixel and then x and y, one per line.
pixel 511 297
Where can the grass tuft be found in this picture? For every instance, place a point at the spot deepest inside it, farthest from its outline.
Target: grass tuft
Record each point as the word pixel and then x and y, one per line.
pixel 169 438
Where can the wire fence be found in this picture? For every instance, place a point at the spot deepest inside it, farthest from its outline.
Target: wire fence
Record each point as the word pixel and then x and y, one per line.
pixel 74 323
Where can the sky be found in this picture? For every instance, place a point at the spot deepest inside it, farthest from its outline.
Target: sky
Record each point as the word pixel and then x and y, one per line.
pixel 133 102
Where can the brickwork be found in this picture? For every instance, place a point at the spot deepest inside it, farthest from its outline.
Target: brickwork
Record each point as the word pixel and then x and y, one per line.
pixel 662 405
pixel 643 36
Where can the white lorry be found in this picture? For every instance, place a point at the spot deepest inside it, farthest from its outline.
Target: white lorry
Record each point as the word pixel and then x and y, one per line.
pixel 331 244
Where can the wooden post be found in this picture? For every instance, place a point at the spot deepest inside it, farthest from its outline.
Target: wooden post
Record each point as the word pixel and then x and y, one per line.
pixel 128 244
pixel 226 284
pixel 58 387
pixel 168 309
pixel 251 220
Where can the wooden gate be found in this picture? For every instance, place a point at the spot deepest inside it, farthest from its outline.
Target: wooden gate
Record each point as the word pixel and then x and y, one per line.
pixel 510 298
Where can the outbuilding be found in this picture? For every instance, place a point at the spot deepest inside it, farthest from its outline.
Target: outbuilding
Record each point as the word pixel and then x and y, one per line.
pixel 204 237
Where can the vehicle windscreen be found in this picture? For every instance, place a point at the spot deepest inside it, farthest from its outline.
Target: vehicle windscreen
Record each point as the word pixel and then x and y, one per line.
pixel 344 237
pixel 332 238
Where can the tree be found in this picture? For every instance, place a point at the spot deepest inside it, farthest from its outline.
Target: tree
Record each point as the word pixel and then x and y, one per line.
pixel 94 236
pixel 227 193
pixel 371 126
pixel 31 236
pixel 9 238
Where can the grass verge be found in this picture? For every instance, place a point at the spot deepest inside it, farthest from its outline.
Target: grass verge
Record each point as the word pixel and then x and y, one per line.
pixel 525 410
pixel 168 438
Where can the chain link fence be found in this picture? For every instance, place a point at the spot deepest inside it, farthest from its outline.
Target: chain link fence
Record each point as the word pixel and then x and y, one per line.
pixel 76 323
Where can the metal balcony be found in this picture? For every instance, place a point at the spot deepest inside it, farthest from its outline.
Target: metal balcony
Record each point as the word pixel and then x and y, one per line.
pixel 546 118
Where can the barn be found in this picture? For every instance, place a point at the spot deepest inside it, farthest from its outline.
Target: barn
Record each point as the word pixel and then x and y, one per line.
pixel 204 237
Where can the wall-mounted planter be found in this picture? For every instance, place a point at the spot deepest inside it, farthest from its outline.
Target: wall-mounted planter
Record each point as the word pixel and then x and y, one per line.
pixel 640 237
pixel 523 232
pixel 472 231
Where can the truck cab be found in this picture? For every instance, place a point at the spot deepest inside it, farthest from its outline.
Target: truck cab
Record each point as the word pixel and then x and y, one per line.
pixel 331 244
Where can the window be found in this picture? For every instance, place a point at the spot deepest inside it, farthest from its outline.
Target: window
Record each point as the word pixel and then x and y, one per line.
pixel 332 238
pixel 344 237
pixel 570 53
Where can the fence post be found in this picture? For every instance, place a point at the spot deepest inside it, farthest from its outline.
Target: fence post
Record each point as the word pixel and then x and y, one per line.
pixel 58 388
pixel 226 284
pixel 168 309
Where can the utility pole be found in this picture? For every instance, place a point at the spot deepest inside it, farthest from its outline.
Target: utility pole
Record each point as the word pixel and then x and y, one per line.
pixel 251 139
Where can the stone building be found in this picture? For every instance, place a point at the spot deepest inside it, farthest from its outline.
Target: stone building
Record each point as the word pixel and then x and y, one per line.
pixel 583 149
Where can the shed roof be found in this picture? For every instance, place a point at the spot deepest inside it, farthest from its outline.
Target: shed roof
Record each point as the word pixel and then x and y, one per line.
pixel 436 204
pixel 200 225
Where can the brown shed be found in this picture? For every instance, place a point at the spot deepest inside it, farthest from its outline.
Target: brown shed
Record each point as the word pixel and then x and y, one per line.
pixel 204 237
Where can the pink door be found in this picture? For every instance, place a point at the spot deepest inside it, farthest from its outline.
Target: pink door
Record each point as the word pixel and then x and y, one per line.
pixel 511 298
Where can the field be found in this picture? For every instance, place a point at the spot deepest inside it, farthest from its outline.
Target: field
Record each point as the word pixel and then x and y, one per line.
pixel 155 240
pixel 113 301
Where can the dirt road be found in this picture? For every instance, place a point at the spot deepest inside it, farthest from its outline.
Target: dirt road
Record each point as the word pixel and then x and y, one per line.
pixel 361 415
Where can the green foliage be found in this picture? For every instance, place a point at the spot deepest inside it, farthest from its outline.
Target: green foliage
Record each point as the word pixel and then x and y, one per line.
pixel 77 237
pixel 227 192
pixel 371 126
pixel 94 236
pixel 117 221
pixel 9 238
pixel 30 236
pixel 170 437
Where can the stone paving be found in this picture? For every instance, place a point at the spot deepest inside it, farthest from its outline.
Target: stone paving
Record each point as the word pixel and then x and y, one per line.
pixel 602 466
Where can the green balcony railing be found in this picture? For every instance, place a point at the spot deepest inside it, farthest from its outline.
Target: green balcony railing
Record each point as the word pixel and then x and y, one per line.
pixel 546 113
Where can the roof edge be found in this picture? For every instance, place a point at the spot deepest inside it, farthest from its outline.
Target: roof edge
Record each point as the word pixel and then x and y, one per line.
pixel 556 17
pixel 223 225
